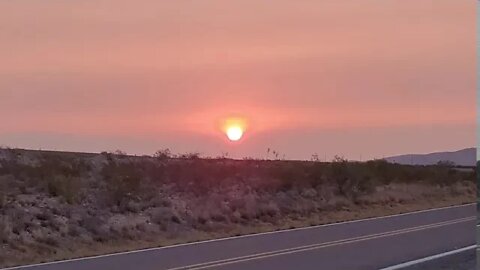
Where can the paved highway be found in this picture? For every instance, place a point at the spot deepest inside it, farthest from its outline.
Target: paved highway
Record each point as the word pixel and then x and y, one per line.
pixel 460 259
pixel 359 245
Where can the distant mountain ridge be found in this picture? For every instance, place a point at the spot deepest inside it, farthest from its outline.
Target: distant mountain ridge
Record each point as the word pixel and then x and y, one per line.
pixel 464 157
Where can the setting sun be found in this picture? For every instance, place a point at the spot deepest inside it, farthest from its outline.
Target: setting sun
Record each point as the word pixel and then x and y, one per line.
pixel 234 133
pixel 234 127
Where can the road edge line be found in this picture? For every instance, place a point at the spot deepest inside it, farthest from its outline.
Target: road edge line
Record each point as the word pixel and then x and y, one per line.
pixel 429 258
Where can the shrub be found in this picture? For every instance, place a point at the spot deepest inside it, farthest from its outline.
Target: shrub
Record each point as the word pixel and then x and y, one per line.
pixel 123 181
pixel 65 186
pixel 289 174
pixel 165 215
pixel 49 240
pixel 96 226
pixel 269 209
pixel 381 170
pixel 51 166
pixel 74 230
pixel 4 235
pixel 120 153
pixel 339 173
pixel 3 191
pixel 163 154
pixel 15 168
pixel 192 156
pixel 154 171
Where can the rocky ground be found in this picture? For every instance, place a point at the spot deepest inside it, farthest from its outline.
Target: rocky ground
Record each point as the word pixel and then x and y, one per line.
pixel 63 205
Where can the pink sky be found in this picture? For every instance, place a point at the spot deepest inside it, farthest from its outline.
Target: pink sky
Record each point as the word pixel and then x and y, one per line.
pixel 356 78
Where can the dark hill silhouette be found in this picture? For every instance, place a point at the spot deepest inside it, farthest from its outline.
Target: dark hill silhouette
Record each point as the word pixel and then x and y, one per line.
pixel 464 157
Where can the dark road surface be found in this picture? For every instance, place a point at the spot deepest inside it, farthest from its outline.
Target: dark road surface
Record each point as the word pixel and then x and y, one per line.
pixel 360 245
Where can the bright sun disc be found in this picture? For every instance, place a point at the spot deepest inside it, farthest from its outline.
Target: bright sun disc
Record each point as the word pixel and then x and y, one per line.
pixel 234 133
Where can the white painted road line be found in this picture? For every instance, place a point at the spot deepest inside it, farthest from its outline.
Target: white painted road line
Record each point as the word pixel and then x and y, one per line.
pixel 265 255
pixel 431 258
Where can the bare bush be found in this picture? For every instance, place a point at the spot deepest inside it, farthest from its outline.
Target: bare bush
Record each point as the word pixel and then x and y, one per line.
pixel 192 156
pixel 65 186
pixel 164 215
pixel 163 154
pixel 4 234
pixel 123 182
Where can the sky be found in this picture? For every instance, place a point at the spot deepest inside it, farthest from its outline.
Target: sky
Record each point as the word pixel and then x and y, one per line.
pixel 359 79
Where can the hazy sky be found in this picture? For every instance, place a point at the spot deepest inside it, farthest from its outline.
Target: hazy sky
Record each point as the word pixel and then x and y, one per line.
pixel 366 78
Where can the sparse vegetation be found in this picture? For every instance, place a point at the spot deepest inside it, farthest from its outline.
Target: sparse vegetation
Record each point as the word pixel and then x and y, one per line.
pixel 54 205
pixel 163 154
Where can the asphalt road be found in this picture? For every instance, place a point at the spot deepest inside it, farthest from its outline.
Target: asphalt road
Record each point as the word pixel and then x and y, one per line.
pixel 361 245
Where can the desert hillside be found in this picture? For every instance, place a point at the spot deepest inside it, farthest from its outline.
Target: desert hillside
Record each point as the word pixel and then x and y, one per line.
pixel 464 157
pixel 61 205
